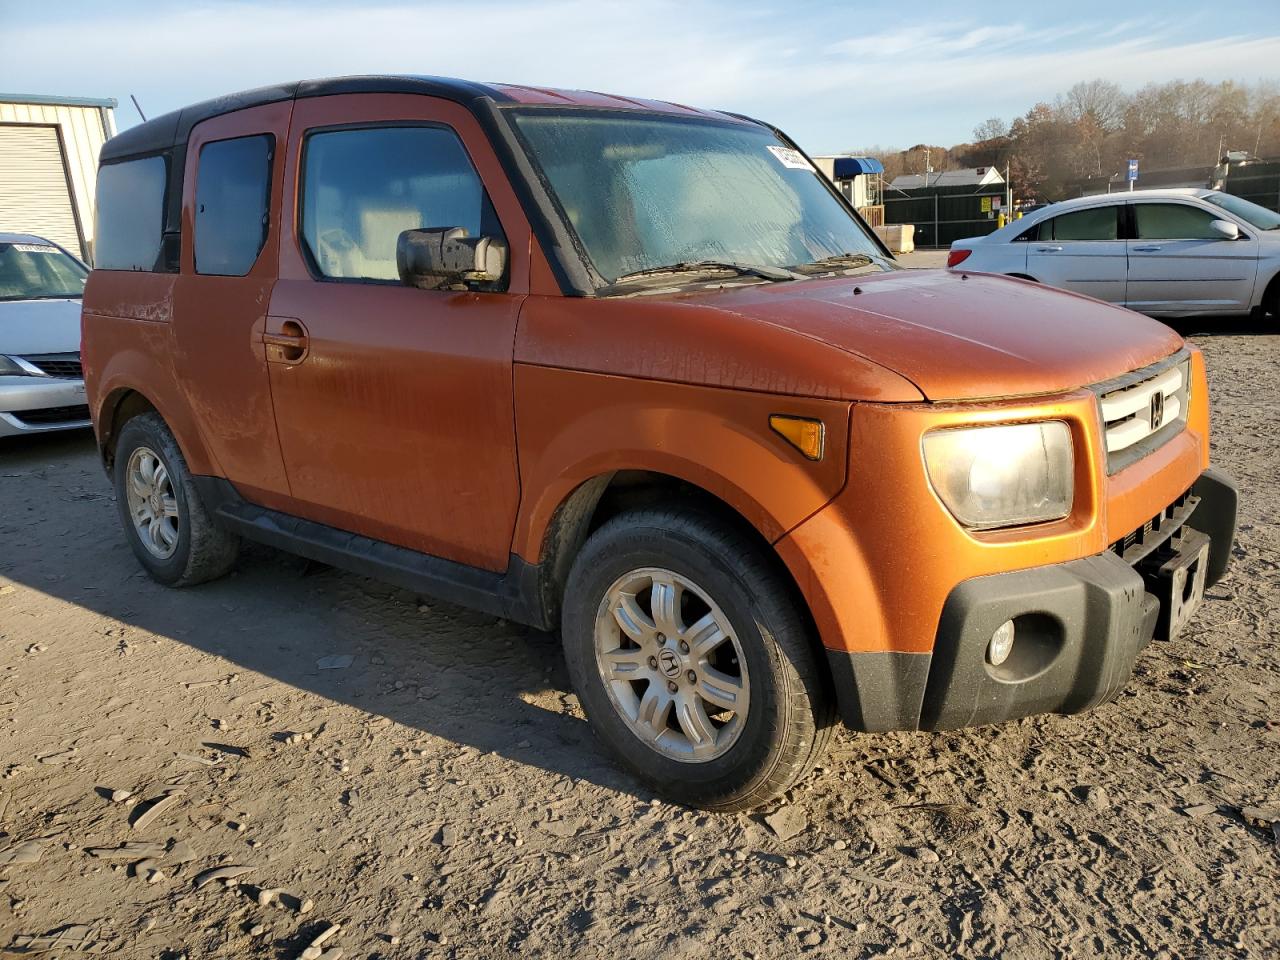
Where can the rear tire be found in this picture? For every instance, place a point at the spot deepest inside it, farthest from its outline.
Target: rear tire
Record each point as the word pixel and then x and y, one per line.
pixel 167 526
pixel 644 688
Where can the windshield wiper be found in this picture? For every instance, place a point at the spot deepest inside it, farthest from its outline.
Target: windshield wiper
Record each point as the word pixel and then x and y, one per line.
pixel 710 266
pixel 840 260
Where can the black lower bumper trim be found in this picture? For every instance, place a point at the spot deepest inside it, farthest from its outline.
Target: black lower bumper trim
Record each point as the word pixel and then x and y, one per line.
pixel 878 692
pixel 1078 628
pixel 1215 515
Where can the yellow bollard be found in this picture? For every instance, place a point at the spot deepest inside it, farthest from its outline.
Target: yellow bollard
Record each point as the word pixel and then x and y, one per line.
pixel 1000 220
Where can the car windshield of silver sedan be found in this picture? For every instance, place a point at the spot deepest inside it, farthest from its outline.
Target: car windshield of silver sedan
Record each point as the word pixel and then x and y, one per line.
pixel 39 271
pixel 1246 210
pixel 657 201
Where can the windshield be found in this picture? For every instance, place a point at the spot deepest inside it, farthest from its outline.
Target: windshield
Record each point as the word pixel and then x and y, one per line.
pixel 1246 210
pixel 39 271
pixel 644 191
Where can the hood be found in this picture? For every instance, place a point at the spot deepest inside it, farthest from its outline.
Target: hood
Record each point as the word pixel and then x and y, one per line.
pixel 961 337
pixel 39 326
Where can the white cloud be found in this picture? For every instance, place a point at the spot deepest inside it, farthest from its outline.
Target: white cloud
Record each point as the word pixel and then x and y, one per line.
pixel 831 81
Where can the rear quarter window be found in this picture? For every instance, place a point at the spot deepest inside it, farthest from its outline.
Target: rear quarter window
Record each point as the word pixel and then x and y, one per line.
pixel 233 183
pixel 130 224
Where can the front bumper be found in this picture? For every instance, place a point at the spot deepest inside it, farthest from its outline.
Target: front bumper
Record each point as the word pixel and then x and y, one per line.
pixel 1080 626
pixel 40 404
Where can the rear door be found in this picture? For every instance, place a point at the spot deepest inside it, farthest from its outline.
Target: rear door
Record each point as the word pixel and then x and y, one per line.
pixel 230 227
pixel 395 404
pixel 1179 264
pixel 1081 251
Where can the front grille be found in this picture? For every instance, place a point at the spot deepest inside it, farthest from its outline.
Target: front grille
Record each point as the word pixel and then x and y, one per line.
pixel 50 415
pixel 1139 544
pixel 1143 409
pixel 65 366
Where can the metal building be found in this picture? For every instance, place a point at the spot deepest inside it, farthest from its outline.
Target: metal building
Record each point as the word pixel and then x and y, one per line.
pixel 949 205
pixel 48 164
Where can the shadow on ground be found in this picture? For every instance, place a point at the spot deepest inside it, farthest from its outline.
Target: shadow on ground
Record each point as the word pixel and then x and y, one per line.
pixel 469 678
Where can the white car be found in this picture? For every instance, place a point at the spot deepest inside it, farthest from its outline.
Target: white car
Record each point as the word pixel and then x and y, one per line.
pixel 41 385
pixel 1166 253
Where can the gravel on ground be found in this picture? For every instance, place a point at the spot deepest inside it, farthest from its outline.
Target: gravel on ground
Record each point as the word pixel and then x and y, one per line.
pixel 341 752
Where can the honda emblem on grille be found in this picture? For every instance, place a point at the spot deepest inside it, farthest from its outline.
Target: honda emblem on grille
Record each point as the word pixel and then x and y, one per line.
pixel 1157 410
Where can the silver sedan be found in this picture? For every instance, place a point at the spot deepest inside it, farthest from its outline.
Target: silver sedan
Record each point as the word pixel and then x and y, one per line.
pixel 41 384
pixel 1166 253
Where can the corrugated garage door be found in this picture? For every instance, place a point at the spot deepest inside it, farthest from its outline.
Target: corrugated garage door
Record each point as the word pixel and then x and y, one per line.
pixel 34 194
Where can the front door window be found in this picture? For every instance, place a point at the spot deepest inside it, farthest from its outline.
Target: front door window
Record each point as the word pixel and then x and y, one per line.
pixel 362 188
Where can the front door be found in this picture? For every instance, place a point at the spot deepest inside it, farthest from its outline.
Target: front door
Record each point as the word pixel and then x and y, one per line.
pixel 394 404
pixel 1081 251
pixel 1179 264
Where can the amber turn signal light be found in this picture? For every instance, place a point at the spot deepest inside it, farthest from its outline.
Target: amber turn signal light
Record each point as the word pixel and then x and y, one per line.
pixel 803 434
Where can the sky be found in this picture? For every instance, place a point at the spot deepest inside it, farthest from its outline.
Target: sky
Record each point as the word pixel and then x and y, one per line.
pixel 834 75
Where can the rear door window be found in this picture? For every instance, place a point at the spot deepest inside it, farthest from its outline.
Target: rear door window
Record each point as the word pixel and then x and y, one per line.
pixel 1099 223
pixel 1173 221
pixel 130 217
pixel 233 185
pixel 361 188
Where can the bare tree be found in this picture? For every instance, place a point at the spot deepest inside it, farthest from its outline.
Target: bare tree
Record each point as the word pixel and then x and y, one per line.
pixel 1100 102
pixel 992 129
pixel 1092 129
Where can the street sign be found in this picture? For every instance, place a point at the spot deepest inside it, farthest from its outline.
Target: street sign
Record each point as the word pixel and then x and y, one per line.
pixel 986 204
pixel 1133 170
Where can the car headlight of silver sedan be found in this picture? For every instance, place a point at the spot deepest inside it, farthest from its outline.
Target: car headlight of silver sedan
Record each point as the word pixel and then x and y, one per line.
pixel 11 368
pixel 1004 475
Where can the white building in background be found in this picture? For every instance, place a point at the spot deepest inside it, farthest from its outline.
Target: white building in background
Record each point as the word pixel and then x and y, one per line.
pixel 969 177
pixel 49 163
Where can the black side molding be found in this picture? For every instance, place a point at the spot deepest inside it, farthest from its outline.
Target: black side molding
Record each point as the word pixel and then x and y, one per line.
pixel 514 594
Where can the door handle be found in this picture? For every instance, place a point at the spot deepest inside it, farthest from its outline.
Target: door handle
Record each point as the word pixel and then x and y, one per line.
pixel 1048 249
pixel 288 346
pixel 1147 249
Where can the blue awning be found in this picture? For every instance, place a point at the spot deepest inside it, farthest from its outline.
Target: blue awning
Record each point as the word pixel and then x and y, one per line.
pixel 846 168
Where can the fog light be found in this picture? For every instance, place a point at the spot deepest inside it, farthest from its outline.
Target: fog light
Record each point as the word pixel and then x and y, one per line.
pixel 1001 644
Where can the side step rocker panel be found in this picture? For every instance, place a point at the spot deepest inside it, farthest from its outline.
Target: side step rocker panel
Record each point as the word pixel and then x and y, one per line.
pixel 514 594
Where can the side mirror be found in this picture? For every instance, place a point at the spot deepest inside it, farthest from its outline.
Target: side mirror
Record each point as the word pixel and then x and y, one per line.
pixel 1226 228
pixel 437 258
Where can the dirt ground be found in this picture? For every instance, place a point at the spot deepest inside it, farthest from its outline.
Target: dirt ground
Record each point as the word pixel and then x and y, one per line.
pixel 435 789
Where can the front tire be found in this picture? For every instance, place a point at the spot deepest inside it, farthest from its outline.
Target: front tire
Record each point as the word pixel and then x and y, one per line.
pixel 167 526
pixel 1271 299
pixel 692 661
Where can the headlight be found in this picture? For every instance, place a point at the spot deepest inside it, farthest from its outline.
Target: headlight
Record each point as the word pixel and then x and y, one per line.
pixel 9 368
pixel 1002 476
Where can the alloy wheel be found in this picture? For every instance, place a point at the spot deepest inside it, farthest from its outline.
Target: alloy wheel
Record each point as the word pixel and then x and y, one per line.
pixel 672 665
pixel 152 504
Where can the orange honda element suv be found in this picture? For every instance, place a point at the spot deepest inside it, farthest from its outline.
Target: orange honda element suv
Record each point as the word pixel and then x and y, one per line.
pixel 637 372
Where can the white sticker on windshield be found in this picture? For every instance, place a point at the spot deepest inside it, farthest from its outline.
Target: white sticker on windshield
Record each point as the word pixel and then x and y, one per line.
pixel 34 248
pixel 792 159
